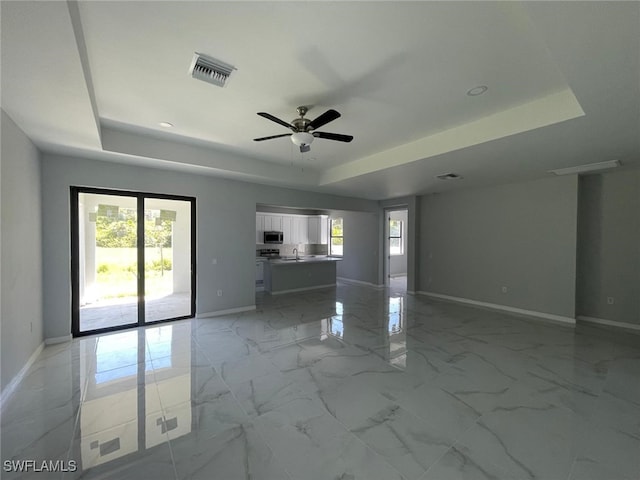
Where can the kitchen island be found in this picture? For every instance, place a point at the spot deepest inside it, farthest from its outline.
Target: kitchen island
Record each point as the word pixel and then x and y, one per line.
pixel 284 275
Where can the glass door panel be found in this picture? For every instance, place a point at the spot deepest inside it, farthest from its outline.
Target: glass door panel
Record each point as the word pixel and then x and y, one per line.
pixel 133 259
pixel 108 262
pixel 167 265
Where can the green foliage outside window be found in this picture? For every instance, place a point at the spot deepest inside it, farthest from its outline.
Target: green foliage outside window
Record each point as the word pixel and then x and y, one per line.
pixel 120 231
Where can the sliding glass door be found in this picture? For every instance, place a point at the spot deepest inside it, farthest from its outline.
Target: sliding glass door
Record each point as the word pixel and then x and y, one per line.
pixel 133 259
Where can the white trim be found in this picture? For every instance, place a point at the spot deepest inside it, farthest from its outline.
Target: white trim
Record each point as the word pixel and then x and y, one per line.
pixel 360 282
pixel 280 292
pixel 396 275
pixel 225 312
pixel 55 340
pixel 496 306
pixel 11 387
pixel 610 323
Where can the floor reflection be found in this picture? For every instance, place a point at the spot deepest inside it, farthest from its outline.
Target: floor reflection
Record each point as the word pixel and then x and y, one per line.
pixel 128 375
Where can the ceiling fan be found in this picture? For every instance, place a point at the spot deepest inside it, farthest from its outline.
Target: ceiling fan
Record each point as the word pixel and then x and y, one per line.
pixel 304 129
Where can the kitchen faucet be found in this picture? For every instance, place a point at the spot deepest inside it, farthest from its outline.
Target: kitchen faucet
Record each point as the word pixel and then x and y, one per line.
pixel 295 250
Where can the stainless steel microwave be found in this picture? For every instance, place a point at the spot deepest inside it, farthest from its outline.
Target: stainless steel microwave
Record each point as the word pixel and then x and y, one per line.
pixel 273 237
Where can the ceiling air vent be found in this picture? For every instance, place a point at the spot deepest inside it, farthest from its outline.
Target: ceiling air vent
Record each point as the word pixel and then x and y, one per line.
pixel 449 176
pixel 210 70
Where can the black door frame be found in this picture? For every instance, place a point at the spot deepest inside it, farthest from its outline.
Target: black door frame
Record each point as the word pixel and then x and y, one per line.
pixel 75 256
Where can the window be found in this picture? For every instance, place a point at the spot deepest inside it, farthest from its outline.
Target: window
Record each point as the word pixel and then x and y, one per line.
pixel 396 242
pixel 336 240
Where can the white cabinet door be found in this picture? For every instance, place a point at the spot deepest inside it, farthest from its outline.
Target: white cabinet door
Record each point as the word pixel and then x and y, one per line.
pixel 324 230
pixel 304 229
pixel 267 223
pixel 287 230
pixel 259 228
pixel 314 229
pixel 276 223
pixel 295 229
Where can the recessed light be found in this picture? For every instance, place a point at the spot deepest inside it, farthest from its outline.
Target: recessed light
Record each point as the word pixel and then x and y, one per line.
pixel 479 90
pixel 166 124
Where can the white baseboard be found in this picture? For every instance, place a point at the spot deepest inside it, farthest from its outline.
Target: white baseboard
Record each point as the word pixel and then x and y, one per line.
pixel 609 323
pixel 280 292
pixel 504 308
pixel 396 275
pixel 10 389
pixel 359 282
pixel 226 312
pixel 55 340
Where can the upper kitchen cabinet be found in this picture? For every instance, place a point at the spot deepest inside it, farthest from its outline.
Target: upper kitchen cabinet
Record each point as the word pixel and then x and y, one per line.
pixel 300 227
pixel 296 229
pixel 259 228
pixel 287 229
pixel 324 230
pixel 314 229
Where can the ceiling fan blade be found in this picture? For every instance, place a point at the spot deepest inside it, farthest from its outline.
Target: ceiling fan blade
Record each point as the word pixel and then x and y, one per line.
pixel 333 136
pixel 268 116
pixel 326 117
pixel 272 136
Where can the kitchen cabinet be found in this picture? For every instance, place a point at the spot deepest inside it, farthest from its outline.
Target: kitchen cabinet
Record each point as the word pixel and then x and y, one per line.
pixel 267 223
pixel 296 229
pixel 314 229
pixel 259 228
pixel 300 230
pixel 276 223
pixel 324 229
pixel 287 229
pixel 318 229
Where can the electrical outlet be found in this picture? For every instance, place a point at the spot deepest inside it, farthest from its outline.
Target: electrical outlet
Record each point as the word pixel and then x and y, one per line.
pixel 219 293
pixel 504 289
pixel 610 300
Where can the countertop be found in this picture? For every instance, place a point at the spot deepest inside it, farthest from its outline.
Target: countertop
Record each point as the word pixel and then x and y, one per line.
pixel 303 259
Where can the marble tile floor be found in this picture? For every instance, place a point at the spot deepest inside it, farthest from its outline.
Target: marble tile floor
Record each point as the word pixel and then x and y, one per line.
pixel 342 383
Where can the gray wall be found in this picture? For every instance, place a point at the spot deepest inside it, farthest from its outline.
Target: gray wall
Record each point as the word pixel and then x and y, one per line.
pixel 522 236
pixel 22 325
pixel 361 246
pixel 226 212
pixel 609 246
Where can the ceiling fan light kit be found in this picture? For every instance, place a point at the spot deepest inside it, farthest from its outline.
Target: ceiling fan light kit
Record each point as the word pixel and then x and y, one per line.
pixel 302 138
pixel 304 129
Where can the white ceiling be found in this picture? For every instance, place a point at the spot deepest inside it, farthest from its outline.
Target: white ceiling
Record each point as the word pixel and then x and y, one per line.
pixel 96 79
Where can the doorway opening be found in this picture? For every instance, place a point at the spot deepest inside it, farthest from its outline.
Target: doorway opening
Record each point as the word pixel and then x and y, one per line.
pixel 395 248
pixel 132 259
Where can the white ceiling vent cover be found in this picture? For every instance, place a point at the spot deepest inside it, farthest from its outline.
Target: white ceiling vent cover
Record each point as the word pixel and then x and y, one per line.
pixel 210 70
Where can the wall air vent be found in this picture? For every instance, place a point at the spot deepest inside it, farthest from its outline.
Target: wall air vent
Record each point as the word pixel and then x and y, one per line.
pixel 449 176
pixel 210 70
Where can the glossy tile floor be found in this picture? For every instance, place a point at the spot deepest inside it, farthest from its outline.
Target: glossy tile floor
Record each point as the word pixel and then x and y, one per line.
pixel 344 383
